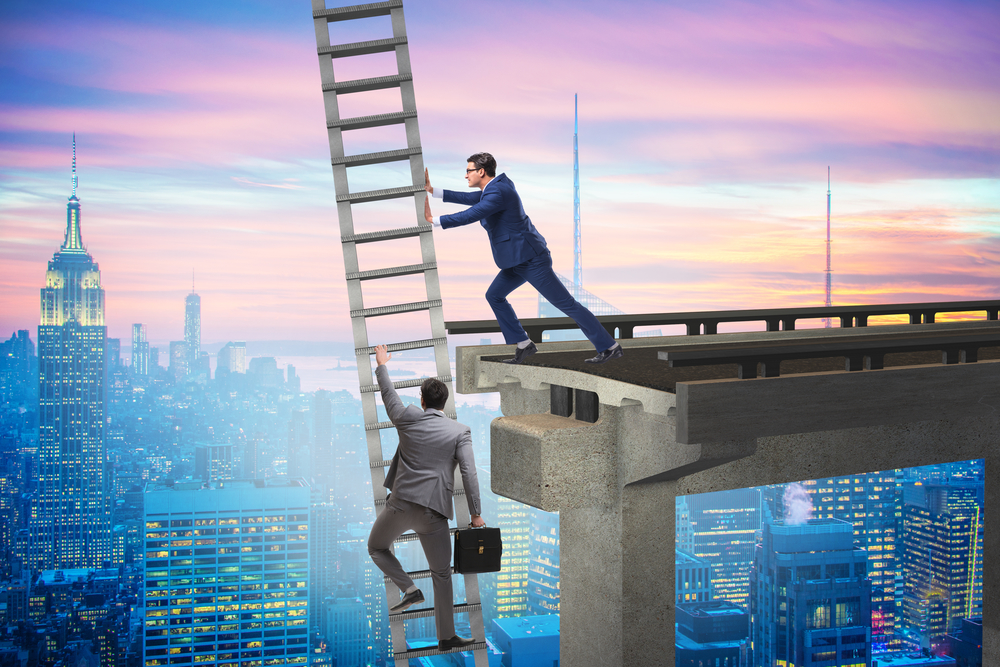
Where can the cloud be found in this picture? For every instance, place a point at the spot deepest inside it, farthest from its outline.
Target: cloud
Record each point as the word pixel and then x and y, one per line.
pixel 705 133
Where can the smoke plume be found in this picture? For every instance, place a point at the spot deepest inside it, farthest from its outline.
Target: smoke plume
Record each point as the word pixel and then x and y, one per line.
pixel 798 505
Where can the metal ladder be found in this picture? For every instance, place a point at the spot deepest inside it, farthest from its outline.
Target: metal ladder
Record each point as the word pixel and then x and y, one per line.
pixel 337 126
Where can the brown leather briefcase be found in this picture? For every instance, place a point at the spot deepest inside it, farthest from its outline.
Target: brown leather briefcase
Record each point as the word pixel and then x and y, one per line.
pixel 477 550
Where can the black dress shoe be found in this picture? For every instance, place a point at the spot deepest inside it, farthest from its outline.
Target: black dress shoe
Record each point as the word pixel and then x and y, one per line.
pixel 410 599
pixel 608 354
pixel 520 354
pixel 454 642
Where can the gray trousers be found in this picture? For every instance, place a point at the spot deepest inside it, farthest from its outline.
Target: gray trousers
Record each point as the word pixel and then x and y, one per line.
pixel 398 517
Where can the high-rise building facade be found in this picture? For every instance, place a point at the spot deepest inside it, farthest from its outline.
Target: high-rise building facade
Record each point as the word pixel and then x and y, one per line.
pixel 543 568
pixel 17 363
pixel 810 597
pixel 942 557
pixel 723 530
pixel 232 358
pixel 69 524
pixel 872 504
pixel 227 574
pixel 140 351
pixel 192 329
pixel 179 367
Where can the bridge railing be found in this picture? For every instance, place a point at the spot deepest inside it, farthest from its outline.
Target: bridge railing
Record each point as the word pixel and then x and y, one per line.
pixel 776 319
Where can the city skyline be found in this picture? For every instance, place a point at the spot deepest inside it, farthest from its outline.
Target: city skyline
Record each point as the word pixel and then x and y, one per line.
pixel 711 142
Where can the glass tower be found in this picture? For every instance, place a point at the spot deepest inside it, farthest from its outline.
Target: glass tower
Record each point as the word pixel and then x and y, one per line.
pixel 192 329
pixel 69 523
pixel 227 573
pixel 140 350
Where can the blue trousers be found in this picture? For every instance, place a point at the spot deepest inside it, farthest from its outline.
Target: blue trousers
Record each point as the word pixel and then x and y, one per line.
pixel 537 271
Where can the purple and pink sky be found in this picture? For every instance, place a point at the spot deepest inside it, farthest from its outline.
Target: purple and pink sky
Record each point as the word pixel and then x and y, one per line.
pixel 706 130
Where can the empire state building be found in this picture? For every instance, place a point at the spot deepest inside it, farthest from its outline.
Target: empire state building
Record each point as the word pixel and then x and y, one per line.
pixel 70 524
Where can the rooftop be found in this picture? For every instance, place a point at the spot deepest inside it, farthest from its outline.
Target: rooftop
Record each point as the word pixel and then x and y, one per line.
pixel 530 626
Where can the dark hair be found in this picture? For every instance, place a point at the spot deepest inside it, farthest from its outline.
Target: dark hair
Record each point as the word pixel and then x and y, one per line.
pixel 484 161
pixel 435 393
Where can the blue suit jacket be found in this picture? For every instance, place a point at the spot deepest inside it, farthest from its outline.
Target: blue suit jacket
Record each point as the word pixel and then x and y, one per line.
pixel 513 238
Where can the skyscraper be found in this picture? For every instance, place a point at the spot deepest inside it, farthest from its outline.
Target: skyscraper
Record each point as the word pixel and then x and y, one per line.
pixel 245 602
pixel 543 567
pixel 723 531
pixel 942 554
pixel 192 329
pixel 70 523
pixel 810 598
pixel 232 358
pixel 872 503
pixel 140 350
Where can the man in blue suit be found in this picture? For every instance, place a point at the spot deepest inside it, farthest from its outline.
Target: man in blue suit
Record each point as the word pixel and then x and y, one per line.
pixel 520 253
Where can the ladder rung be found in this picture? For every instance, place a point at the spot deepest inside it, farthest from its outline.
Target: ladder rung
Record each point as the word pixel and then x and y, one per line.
pixel 379 195
pixel 397 309
pixel 357 11
pixel 387 235
pixel 400 347
pixel 392 272
pixel 376 158
pixel 364 85
pixel 377 120
pixel 419 574
pixel 424 613
pixel 379 502
pixel 380 425
pixel 412 537
pixel 432 650
pixel 361 48
pixel 403 384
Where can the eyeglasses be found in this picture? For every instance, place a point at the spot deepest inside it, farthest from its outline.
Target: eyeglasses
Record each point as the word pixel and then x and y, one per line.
pixel 469 171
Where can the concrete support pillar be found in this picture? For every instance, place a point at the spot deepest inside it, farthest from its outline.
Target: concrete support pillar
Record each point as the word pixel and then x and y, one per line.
pixel 615 482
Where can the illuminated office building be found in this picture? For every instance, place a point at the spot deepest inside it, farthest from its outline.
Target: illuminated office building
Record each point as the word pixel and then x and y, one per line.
pixel 872 504
pixel 178 359
pixel 192 329
pixel 723 532
pixel 514 521
pixel 345 626
pixel 214 462
pixel 227 574
pixel 543 566
pixel 942 557
pixel 692 578
pixel 69 523
pixel 232 358
pixel 810 597
pixel 140 350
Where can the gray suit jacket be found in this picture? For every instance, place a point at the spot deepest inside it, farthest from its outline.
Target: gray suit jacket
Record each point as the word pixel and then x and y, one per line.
pixel 430 445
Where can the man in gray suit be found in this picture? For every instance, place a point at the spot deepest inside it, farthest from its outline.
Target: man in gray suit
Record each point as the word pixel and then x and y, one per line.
pixel 421 478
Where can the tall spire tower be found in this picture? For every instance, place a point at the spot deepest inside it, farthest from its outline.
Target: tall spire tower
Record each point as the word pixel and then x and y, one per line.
pixel 829 270
pixel 69 524
pixel 577 252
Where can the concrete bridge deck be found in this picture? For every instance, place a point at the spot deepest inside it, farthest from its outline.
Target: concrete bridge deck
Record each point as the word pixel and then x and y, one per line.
pixel 658 432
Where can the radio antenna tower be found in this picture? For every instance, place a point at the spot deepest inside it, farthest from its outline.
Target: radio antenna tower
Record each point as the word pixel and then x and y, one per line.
pixel 829 271
pixel 577 255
